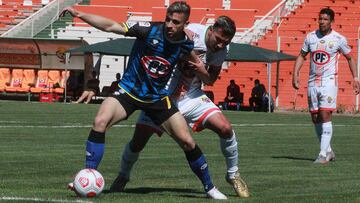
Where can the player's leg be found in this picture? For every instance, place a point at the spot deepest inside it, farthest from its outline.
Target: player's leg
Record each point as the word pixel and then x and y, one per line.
pixel 176 127
pixel 82 97
pixel 229 147
pixel 130 155
pixel 89 96
pixel 110 112
pixel 326 136
pixel 322 103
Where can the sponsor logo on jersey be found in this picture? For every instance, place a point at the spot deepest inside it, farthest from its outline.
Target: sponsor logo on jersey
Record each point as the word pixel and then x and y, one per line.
pixel 155 42
pixel 331 45
pixel 320 57
pixel 156 66
pixel 144 24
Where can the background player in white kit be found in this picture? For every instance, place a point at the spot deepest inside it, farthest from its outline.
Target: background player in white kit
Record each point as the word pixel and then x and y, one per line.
pixel 199 111
pixel 324 46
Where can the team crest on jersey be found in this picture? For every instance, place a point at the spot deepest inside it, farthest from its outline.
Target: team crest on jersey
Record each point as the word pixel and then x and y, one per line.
pixel 320 57
pixel 205 99
pixel 329 100
pixel 331 45
pixel 156 66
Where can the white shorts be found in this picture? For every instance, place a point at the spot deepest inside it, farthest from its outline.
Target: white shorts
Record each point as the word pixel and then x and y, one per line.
pixel 322 98
pixel 196 108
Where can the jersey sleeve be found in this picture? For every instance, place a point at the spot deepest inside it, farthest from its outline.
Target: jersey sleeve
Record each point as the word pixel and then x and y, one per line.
pixel 187 47
pixel 305 48
pixel 344 47
pixel 138 30
pixel 218 58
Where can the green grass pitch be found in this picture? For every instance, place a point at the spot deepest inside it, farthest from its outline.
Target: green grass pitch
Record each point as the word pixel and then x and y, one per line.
pixel 42 147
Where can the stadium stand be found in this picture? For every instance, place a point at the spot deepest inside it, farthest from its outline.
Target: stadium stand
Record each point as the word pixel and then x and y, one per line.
pixel 292 31
pixel 290 26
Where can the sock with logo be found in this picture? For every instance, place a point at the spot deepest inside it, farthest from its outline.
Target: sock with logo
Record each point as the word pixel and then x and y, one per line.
pixel 95 146
pixel 230 152
pixel 199 166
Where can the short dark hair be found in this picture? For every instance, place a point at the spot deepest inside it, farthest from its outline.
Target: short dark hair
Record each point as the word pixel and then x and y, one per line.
pixel 329 12
pixel 179 7
pixel 257 81
pixel 226 24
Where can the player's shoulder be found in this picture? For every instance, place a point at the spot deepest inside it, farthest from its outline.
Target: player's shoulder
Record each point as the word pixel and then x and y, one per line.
pixel 312 34
pixel 337 35
pixel 196 27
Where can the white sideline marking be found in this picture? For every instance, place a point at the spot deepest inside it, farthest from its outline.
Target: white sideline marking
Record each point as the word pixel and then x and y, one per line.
pixel 132 126
pixel 41 199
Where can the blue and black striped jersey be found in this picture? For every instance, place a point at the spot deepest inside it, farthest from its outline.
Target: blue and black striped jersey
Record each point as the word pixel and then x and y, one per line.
pixel 152 60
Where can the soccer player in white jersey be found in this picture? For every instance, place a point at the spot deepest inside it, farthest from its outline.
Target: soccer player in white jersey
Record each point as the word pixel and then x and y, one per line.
pixel 210 44
pixel 324 46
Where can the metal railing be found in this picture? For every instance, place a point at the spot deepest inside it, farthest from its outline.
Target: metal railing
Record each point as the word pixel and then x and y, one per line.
pixel 38 21
pixel 266 22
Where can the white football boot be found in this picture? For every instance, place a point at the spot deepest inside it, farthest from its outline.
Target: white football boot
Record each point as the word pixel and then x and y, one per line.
pixel 215 194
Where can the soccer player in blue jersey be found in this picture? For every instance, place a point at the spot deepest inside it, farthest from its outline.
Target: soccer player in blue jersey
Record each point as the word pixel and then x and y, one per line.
pixel 210 44
pixel 157 49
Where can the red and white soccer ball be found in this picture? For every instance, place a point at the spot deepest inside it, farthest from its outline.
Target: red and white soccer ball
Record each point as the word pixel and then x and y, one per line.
pixel 88 183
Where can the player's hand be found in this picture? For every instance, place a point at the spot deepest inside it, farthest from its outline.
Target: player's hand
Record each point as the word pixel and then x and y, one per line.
pixel 69 10
pixel 198 66
pixel 356 86
pixel 295 82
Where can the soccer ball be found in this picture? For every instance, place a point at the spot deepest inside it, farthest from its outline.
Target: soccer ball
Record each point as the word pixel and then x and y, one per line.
pixel 88 183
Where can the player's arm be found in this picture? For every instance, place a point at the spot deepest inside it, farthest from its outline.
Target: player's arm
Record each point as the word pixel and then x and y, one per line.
pixel 354 73
pixel 207 75
pixel 96 21
pixel 296 72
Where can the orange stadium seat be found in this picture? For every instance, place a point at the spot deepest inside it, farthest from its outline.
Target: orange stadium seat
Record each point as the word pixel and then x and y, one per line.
pixel 16 80
pixel 119 14
pixel 53 78
pixel 135 4
pixel 41 81
pixel 200 4
pixel 28 80
pixel 263 7
pixel 64 76
pixel 4 78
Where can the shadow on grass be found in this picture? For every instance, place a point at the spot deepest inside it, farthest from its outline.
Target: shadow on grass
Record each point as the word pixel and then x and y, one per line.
pixel 293 158
pixel 147 190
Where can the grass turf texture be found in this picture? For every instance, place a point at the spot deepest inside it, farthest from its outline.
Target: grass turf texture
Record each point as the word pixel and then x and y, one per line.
pixel 42 147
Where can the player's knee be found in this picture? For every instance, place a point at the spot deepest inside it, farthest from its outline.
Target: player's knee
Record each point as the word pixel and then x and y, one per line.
pixel 100 123
pixel 226 130
pixel 188 144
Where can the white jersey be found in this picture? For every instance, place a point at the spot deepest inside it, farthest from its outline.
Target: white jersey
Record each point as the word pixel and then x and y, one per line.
pixel 188 84
pixel 324 56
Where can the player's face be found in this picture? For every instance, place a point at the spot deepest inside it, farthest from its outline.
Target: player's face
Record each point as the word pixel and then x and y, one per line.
pixel 216 40
pixel 324 23
pixel 175 24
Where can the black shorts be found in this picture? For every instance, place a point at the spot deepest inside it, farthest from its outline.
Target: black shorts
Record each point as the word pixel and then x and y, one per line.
pixel 158 111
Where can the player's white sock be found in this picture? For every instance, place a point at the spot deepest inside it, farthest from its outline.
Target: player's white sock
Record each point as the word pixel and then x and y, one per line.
pixel 127 161
pixel 230 152
pixel 325 138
